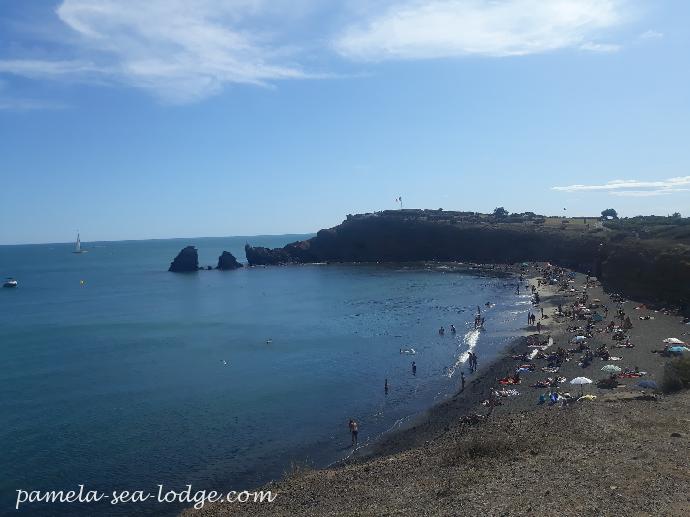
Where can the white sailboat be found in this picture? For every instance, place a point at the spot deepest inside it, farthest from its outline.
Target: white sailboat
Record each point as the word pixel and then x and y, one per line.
pixel 77 246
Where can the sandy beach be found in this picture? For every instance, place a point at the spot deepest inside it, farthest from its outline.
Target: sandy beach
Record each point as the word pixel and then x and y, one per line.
pixel 624 452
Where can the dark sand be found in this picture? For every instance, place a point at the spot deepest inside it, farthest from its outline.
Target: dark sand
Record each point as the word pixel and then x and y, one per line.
pixel 611 456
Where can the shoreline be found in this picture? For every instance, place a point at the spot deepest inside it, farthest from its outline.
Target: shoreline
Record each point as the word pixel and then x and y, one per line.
pixel 437 419
pixel 445 421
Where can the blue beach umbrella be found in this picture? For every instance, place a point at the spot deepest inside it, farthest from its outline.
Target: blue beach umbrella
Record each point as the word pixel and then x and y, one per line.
pixel 648 385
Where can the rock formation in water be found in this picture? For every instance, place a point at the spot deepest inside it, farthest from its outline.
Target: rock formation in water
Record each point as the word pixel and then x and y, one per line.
pixel 227 262
pixel 646 268
pixel 186 261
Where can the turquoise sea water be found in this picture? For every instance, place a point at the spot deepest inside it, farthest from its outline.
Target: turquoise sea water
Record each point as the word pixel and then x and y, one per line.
pixel 119 382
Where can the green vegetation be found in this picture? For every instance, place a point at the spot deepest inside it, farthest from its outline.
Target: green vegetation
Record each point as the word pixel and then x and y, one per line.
pixel 500 212
pixel 676 375
pixel 653 226
pixel 609 213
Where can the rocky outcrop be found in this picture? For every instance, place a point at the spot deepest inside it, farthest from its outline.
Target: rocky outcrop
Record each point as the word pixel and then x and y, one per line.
pixel 654 271
pixel 227 262
pixel 186 261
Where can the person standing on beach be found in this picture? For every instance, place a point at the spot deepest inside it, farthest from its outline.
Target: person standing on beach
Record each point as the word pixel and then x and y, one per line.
pixel 492 401
pixel 354 431
pixel 539 327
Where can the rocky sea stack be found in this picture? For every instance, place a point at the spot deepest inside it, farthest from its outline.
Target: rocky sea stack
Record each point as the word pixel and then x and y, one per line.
pixel 186 261
pixel 227 262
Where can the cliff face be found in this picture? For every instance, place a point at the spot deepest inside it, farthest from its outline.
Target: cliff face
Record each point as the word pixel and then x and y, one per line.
pixel 647 270
pixel 186 261
pixel 227 262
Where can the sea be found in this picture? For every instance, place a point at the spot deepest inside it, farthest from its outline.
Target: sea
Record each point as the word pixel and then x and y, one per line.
pixel 119 375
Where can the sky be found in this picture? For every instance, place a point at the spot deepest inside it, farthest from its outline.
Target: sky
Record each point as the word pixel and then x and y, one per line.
pixel 180 118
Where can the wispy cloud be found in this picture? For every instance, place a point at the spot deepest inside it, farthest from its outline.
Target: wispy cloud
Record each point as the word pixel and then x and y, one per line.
pixel 180 50
pixel 185 50
pixel 448 28
pixel 600 47
pixel 651 34
pixel 12 104
pixel 634 188
pixel 42 69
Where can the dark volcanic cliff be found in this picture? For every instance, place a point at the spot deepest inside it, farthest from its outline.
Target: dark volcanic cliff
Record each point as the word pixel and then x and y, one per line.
pixel 186 261
pixel 650 270
pixel 227 262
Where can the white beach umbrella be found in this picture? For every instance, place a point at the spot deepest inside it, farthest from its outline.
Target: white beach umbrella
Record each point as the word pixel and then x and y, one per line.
pixel 611 368
pixel 673 341
pixel 581 381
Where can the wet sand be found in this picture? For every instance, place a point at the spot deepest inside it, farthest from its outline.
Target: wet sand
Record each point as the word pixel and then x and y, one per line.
pixel 600 457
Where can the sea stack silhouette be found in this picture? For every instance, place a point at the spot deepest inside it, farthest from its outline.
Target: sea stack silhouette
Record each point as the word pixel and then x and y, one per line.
pixel 186 261
pixel 227 262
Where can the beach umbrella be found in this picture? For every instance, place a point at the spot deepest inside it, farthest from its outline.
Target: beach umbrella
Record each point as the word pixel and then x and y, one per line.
pixel 581 381
pixel 673 341
pixel 648 385
pixel 678 349
pixel 611 368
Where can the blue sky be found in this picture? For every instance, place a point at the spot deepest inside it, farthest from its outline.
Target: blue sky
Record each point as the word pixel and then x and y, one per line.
pixel 172 118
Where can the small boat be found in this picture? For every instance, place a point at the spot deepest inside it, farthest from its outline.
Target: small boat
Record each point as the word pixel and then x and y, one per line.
pixel 10 282
pixel 77 246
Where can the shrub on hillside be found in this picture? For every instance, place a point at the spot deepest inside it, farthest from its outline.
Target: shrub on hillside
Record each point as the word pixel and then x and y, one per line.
pixel 676 375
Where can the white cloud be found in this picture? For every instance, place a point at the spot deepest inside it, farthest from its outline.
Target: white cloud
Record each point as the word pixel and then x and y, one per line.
pixel 14 104
pixel 652 34
pixel 181 50
pixel 185 50
pixel 600 47
pixel 634 188
pixel 41 69
pixel 449 28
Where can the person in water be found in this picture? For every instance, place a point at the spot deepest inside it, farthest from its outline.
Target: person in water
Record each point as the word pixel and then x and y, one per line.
pixel 452 329
pixel 414 368
pixel 354 431
pixel 462 380
pixel 385 387
pixel 441 331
